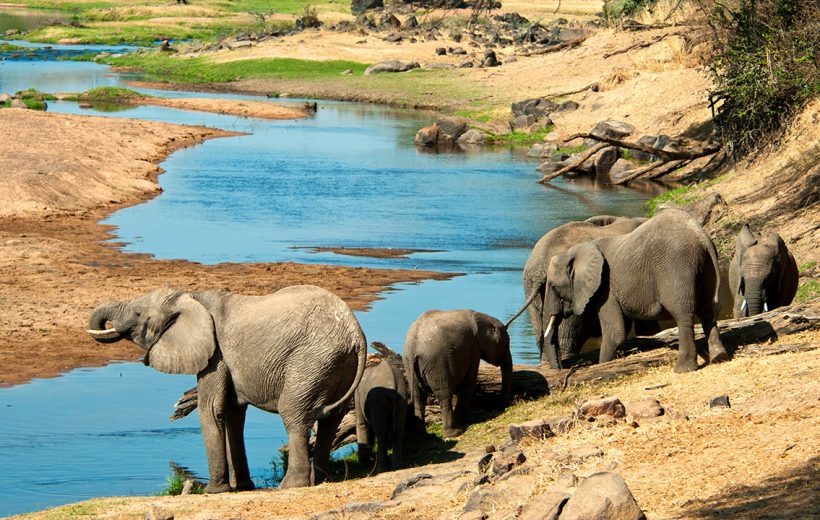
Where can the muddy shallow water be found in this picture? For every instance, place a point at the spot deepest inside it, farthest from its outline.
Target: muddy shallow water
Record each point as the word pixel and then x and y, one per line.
pixel 348 177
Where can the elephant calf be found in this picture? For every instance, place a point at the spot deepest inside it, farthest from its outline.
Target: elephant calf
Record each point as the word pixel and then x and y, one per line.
pixel 381 410
pixel 441 356
pixel 298 352
pixel 762 275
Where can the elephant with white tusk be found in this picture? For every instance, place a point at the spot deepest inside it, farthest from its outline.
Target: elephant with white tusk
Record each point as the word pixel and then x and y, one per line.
pixel 298 352
pixel 762 275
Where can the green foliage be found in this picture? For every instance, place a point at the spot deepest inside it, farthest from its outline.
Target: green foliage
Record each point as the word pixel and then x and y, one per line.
pixel 523 138
pixel 765 65
pixel 176 481
pixel 8 47
pixel 680 196
pixel 198 70
pixel 570 149
pixel 35 104
pixel 109 94
pixel 808 291
pixel 33 94
pixel 615 10
pixel 811 264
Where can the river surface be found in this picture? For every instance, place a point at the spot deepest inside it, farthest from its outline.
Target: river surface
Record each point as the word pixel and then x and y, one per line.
pixel 349 176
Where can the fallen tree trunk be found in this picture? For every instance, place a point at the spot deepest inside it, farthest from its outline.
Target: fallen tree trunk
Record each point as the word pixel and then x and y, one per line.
pixel 694 151
pixel 531 381
pixel 574 164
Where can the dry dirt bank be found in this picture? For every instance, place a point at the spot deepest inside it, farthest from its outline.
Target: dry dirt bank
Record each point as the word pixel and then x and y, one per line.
pixel 62 174
pixel 241 108
pixel 757 458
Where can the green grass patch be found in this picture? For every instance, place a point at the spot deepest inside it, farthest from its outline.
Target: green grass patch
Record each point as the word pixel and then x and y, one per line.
pixel 807 291
pixel 476 115
pixel 811 264
pixel 680 196
pixel 33 93
pixel 134 33
pixel 570 150
pixel 8 47
pixel 523 138
pixel 35 104
pixel 199 70
pixel 109 94
pixel 174 484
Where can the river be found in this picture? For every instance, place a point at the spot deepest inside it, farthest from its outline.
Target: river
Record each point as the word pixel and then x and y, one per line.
pixel 347 177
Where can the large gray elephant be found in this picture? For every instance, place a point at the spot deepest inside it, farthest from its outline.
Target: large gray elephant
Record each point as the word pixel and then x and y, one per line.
pixel 573 330
pixel 666 268
pixel 298 352
pixel 762 275
pixel 441 354
pixel 381 410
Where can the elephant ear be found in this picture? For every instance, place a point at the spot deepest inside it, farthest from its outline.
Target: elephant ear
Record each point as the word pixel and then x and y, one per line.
pixel 745 239
pixel 586 266
pixel 188 342
pixel 491 338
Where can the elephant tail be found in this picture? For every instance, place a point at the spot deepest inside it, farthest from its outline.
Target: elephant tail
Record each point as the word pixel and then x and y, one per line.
pixel 361 351
pixel 527 303
pixel 710 247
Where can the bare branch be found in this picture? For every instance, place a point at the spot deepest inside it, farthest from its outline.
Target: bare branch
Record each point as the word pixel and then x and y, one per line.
pixel 576 91
pixel 640 45
pixel 574 164
pixel 692 152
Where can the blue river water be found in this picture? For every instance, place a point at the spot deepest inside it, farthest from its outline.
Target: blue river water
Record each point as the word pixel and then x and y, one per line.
pixel 347 177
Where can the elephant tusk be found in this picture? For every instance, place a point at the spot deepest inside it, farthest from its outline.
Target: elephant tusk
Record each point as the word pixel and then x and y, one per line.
pixel 548 332
pixel 743 307
pixel 765 307
pixel 104 334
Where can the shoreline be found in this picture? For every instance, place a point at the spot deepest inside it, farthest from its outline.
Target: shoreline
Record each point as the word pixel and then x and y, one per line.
pixel 57 261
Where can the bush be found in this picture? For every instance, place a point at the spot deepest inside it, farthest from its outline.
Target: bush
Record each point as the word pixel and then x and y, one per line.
pixel 764 64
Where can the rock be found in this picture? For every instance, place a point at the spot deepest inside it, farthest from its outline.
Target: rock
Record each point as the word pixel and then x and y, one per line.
pixel 481 480
pixel 411 23
pixel 585 451
pixel 568 34
pixel 487 498
pixel 484 462
pixel 490 448
pixel 457 51
pixel 542 150
pixel 611 406
pixel 605 159
pixel 427 136
pixel 602 495
pixel 473 136
pixel 523 122
pixel 567 106
pixel 551 165
pixel 546 506
pixel 473 515
pixel 644 408
pixel 4 98
pixel 187 487
pixel 441 51
pixel 519 458
pixel 510 59
pixel 562 424
pixel 240 44
pixel 530 430
pixel 721 401
pixel 408 483
pixel 359 6
pixel 17 103
pixel 12 32
pixel 346 72
pixel 648 140
pixel 617 171
pixel 490 59
pixel 524 469
pixel 465 65
pixel 613 129
pixel 390 66
pixel 393 38
pixel 156 513
pixel 451 128
pixel 389 20
pixel 538 107
pixel 565 483
pixel 501 467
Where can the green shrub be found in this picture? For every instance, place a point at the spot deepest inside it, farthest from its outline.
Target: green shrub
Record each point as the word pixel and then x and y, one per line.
pixel 807 291
pixel 619 9
pixel 764 65
pixel 109 94
pixel 175 482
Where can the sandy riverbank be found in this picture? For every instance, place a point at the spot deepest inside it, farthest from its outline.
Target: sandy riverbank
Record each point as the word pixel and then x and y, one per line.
pixel 54 266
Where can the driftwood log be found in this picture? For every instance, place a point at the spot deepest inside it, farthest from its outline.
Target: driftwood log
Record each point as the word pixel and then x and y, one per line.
pixel 742 338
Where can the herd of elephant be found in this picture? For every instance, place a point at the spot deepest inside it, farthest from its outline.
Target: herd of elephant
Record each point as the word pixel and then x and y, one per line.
pixel 301 353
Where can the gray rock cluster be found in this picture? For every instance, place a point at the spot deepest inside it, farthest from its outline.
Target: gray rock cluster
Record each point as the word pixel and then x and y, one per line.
pixel 447 133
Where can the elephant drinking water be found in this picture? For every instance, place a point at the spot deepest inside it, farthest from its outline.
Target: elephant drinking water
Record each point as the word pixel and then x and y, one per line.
pixel 298 352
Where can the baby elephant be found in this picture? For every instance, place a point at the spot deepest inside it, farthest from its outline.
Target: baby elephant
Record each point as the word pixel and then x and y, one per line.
pixel 441 356
pixel 762 275
pixel 381 409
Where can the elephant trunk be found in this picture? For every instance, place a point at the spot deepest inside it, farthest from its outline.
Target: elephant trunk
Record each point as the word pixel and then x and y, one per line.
pixel 550 345
pixel 104 313
pixel 755 301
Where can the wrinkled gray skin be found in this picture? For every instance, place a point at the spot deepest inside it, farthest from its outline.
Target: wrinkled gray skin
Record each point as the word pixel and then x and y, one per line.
pixel 381 410
pixel 666 268
pixel 573 330
pixel 441 356
pixel 762 275
pixel 298 352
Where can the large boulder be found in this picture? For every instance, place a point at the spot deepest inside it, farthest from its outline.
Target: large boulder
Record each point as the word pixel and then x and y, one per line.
pixel 613 129
pixel 602 495
pixel 537 107
pixel 537 429
pixel 473 136
pixel 427 136
pixel 390 66
pixel 451 128
pixel 605 159
pixel 611 406
pixel 490 497
pixel 359 6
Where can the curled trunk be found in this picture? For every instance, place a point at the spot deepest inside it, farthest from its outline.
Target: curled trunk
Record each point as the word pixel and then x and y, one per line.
pixel 100 317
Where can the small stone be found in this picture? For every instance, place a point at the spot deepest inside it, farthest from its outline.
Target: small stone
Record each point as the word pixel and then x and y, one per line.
pixel 473 515
pixel 411 23
pixel 613 129
pixel 602 495
pixel 484 462
pixel 585 451
pixel 645 408
pixel 499 467
pixel 408 483
pixel 524 121
pixel 519 458
pixel 530 430
pixel 490 448
pixel 441 51
pixel 427 136
pixel 346 72
pixel 457 50
pixel 187 487
pixel 453 127
pixel 721 401
pixel 481 480
pixel 542 150
pixel 157 513
pixel 611 406
pixel 473 136
pixel 4 98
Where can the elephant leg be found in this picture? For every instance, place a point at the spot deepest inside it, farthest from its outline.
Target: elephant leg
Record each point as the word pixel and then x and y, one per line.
pixel 380 420
pixel 298 473
pixel 399 417
pixel 419 407
pixel 449 428
pixel 687 349
pixel 364 439
pixel 717 352
pixel 464 394
pixel 211 389
pixel 613 331
pixel 325 434
pixel 237 459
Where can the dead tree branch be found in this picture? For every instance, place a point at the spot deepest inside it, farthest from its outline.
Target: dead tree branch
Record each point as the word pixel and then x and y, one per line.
pixel 574 164
pixel 592 86
pixel 557 47
pixel 651 171
pixel 688 153
pixel 640 45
